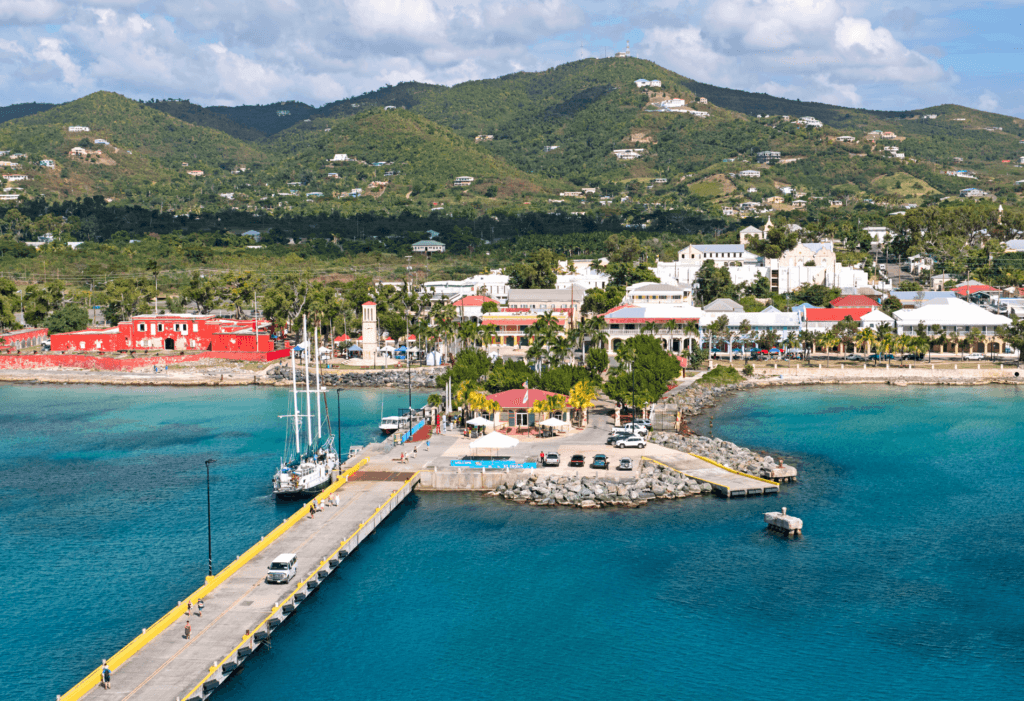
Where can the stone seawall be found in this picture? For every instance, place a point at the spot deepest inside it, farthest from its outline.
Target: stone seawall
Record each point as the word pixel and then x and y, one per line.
pixel 653 482
pixel 422 378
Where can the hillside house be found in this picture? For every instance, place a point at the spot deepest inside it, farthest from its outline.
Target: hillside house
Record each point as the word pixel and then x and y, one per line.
pixel 589 190
pixel 549 149
pixel 628 154
pixel 846 139
pixel 698 114
pixel 103 142
pixel 889 135
pixel 972 192
pixel 464 181
pixel 194 173
pixel 672 104
pixel 77 129
pixel 702 100
pixel 728 212
pixel 48 163
pixel 768 157
pixel 750 173
pixel 332 175
pixel 428 247
pixel 642 83
pixel 8 197
pixel 339 158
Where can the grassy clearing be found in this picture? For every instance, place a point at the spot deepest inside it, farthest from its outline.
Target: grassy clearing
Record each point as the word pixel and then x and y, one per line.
pixel 720 376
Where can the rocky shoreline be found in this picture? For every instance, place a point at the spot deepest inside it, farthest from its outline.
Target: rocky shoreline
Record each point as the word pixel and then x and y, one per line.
pixel 654 482
pixel 421 377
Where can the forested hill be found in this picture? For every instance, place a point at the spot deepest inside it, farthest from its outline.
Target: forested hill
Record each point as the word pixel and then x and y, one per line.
pixel 23 109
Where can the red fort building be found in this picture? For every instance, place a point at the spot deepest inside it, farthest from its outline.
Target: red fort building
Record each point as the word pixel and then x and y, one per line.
pixel 181 332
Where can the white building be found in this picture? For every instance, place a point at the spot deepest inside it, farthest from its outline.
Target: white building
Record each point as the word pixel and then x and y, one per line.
pixel 750 173
pixel 628 154
pixel 338 157
pixel 643 293
pixel 957 316
pixel 464 181
pixel 75 129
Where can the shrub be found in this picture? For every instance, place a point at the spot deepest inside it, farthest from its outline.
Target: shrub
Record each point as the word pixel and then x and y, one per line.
pixel 722 375
pixel 748 369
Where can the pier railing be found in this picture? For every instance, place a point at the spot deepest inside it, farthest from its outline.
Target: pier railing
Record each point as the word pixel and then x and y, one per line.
pixel 148 634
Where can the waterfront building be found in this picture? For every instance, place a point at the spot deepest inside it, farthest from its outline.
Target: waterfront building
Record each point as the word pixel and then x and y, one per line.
pixel 516 406
pixel 181 332
pixel 512 324
pixel 666 322
pixel 957 319
pixel 23 338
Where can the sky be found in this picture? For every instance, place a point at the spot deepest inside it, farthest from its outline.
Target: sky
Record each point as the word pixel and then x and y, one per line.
pixel 881 54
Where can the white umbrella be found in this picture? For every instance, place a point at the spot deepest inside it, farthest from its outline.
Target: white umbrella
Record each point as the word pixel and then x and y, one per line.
pixel 480 421
pixel 553 422
pixel 494 441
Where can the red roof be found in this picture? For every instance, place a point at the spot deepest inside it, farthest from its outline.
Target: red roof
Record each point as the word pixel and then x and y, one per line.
pixel 519 398
pixel 369 304
pixel 835 314
pixel 474 301
pixel 965 290
pixel 853 301
pixel 621 306
pixel 342 337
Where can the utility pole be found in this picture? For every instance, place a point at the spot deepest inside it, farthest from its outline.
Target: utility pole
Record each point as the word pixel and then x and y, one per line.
pixel 209 520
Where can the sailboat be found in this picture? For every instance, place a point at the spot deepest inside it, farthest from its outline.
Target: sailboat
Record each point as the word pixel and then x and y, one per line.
pixel 309 451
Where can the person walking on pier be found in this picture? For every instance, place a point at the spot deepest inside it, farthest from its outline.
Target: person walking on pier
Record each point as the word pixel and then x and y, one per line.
pixel 188 630
pixel 188 611
pixel 105 675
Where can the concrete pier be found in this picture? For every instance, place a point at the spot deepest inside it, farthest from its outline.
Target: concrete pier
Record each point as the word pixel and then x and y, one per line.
pixel 782 522
pixel 723 481
pixel 241 610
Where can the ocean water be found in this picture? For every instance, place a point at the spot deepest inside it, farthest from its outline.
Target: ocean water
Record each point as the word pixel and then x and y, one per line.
pixel 103 509
pixel 906 583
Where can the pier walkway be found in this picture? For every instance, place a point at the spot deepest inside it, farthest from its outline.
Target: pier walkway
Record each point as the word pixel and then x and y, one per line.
pixel 240 608
pixel 724 481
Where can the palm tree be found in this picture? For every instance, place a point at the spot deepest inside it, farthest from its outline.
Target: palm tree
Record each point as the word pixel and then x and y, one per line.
pixel 671 327
pixel 692 330
pixel 828 339
pixel 866 336
pixel 974 337
pixel 464 394
pixel 745 330
pixel 649 327
pixel 938 337
pixel 582 397
pixel 806 341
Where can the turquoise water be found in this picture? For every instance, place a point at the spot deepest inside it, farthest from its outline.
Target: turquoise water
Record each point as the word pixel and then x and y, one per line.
pixel 103 509
pixel 905 585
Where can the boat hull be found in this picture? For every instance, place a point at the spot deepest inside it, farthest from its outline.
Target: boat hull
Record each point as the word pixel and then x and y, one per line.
pixel 302 494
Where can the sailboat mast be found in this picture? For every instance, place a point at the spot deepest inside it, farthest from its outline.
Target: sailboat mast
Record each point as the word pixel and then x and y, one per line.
pixel 295 395
pixel 309 416
pixel 316 344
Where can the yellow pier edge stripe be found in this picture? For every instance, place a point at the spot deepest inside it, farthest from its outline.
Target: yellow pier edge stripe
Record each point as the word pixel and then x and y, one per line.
pixel 148 634
pixel 315 573
pixel 735 472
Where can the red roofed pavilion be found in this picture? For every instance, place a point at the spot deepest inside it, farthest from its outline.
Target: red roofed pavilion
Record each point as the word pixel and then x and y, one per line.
pixel 516 403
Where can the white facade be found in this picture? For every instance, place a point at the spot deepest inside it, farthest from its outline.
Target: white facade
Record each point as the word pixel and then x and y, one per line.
pixel 74 129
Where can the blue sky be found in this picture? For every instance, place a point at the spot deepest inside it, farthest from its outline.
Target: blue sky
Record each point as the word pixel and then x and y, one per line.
pixel 881 54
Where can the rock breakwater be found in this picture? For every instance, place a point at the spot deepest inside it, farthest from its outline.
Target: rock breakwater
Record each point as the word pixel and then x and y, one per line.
pixel 650 482
pixel 421 377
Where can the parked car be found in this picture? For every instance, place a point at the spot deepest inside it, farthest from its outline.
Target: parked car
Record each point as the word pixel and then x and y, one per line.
pixel 551 460
pixel 645 422
pixel 913 356
pixel 631 442
pixel 626 464
pixel 616 436
pixel 974 356
pixel 577 461
pixel 856 357
pixel 600 462
pixel 637 428
pixel 881 356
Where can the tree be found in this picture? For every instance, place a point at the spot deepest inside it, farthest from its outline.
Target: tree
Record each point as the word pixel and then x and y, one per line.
pixel 650 370
pixel 539 270
pixel 712 283
pixel 582 397
pixel 561 378
pixel 828 339
pixel 509 374
pixel 597 360
pixel 599 301
pixel 891 304
pixel 471 364
pixel 778 240
pixel 203 292
pixel 125 299
pixel 41 301
pixel 9 303
pixel 910 286
pixel 489 307
pixel 286 300
pixel 1013 335
pixel 71 317
pixel 818 295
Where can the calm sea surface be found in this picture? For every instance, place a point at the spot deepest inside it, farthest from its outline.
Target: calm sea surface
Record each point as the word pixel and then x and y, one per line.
pixel 906 585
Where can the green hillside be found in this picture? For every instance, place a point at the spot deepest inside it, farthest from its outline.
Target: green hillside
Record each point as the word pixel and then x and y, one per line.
pixel 423 156
pixel 143 159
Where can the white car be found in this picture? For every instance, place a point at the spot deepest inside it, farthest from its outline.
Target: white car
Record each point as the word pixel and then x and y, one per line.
pixel 631 442
pixel 282 569
pixel 637 427
pixel 974 356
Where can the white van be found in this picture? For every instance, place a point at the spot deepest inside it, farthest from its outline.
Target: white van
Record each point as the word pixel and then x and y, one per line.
pixel 282 569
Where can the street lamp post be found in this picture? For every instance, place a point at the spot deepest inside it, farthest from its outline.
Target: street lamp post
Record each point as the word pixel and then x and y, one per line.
pixel 339 420
pixel 209 520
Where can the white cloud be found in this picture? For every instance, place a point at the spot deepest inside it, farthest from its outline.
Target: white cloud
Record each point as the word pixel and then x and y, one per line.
pixel 49 50
pixel 988 101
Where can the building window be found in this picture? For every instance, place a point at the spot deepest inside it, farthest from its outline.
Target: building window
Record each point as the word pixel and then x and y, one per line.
pixel 142 327
pixel 195 327
pixel 630 326
pixel 159 327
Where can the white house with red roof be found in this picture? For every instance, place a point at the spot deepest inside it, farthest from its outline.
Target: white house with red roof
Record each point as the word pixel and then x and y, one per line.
pixel 516 405
pixel 816 319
